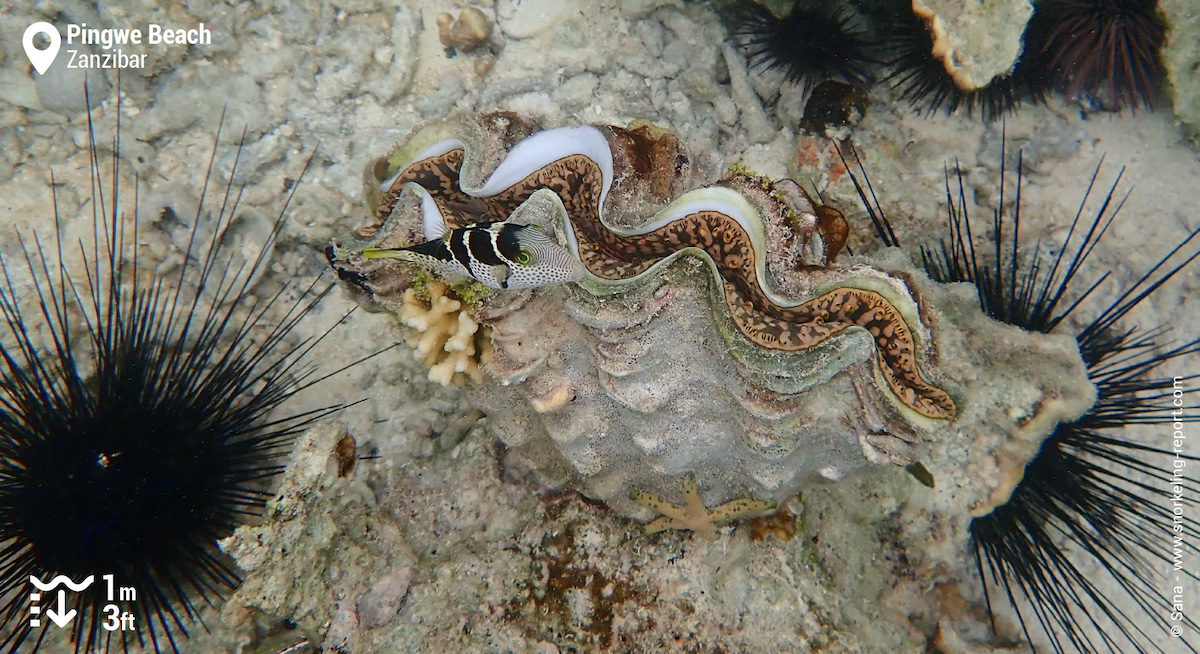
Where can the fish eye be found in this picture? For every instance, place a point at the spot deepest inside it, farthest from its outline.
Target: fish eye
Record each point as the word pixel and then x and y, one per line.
pixel 523 257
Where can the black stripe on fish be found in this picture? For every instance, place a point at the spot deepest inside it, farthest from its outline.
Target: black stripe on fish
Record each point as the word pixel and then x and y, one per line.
pixel 458 246
pixel 479 242
pixel 506 241
pixel 435 248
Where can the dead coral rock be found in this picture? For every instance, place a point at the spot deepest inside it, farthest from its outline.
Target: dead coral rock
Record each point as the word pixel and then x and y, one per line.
pixel 321 545
pixel 976 41
pixel 469 31
pixel 379 605
pixel 1181 58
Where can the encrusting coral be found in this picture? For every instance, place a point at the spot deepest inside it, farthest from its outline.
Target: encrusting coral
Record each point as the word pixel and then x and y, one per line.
pixel 444 337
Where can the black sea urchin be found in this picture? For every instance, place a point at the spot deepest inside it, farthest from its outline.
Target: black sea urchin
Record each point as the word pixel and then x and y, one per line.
pixel 812 44
pixel 1106 48
pixel 1107 494
pixel 136 423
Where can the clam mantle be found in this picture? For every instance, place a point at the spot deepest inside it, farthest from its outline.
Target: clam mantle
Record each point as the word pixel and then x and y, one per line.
pixel 716 333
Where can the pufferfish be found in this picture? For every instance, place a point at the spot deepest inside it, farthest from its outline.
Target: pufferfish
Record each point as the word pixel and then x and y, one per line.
pixel 498 254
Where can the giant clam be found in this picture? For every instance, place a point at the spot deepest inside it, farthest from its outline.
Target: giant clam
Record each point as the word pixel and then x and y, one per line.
pixel 717 335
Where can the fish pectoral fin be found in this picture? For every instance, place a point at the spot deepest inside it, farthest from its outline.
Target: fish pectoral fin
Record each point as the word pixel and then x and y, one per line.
pixel 435 230
pixel 500 272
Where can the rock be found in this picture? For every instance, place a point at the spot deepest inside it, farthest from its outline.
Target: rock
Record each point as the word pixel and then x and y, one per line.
pixel 378 606
pixel 469 31
pixel 61 89
pixel 525 18
pixel 976 40
pixel 1181 57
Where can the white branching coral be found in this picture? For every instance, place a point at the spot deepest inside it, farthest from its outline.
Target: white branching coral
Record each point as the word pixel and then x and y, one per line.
pixel 446 338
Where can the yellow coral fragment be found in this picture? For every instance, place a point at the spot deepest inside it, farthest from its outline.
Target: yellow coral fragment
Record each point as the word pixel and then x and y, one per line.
pixel 446 337
pixel 693 515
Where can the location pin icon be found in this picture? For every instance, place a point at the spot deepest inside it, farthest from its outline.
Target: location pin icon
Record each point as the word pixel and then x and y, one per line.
pixel 41 59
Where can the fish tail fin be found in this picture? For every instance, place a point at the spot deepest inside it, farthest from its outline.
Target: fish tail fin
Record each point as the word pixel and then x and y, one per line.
pixel 388 253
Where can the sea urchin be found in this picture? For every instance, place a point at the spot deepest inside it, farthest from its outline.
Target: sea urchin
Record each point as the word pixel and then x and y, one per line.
pixel 1102 491
pixel 1093 496
pixel 136 421
pixel 810 45
pixel 1106 47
